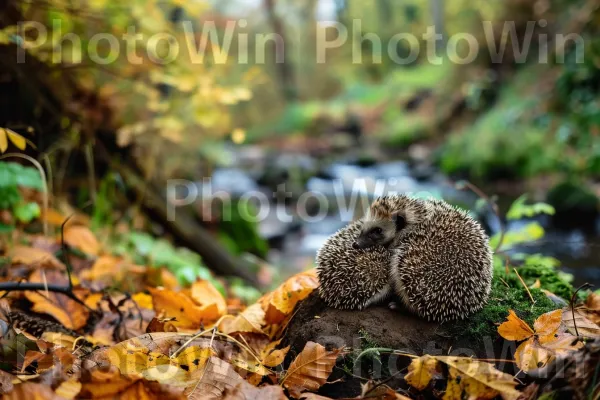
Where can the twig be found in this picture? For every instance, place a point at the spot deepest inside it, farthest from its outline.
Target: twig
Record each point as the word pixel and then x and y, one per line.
pixel 190 340
pixel 18 286
pixel 466 184
pixel 524 285
pixel 65 251
pixel 584 286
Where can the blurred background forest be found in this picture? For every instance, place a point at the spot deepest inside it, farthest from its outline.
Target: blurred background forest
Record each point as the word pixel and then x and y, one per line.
pixel 111 128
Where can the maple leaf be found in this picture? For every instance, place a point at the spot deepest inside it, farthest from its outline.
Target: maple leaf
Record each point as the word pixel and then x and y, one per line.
pixel 541 344
pixel 310 369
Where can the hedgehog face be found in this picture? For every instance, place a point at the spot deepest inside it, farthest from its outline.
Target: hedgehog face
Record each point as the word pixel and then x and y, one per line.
pixel 388 217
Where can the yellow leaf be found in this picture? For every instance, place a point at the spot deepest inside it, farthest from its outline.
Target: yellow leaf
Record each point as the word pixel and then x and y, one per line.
pixel 310 370
pixel 16 139
pixel 421 371
pixel 249 320
pixel 143 300
pixel 477 379
pixel 274 357
pixel 204 293
pixel 3 140
pixel 68 389
pixel 515 328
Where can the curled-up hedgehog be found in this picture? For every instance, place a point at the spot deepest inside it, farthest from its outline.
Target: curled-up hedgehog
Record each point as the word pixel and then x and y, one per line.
pixel 351 278
pixel 441 264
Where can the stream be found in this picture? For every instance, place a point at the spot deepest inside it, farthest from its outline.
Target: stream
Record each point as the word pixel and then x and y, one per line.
pixel 305 200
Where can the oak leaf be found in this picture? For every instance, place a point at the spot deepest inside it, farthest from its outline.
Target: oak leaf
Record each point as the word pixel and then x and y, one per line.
pixel 311 368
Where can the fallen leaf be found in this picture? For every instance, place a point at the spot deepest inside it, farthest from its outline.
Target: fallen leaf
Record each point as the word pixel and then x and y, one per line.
pixel 245 391
pixel 34 257
pixel 65 310
pixel 546 325
pixel 311 368
pixel 213 380
pixel 420 372
pixel 515 328
pixel 69 389
pixel 6 384
pixel 205 294
pixel 279 303
pixel 189 315
pixel 31 391
pixel 250 320
pixel 82 238
pixel 586 327
pixel 477 379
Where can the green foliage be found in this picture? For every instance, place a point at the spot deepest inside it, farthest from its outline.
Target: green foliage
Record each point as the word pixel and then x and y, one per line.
pixel 145 249
pixel 13 176
pixel 528 233
pixel 519 209
pixel 239 234
pixel 27 212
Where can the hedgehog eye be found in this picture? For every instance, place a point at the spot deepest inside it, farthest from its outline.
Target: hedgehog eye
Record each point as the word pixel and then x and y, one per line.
pixel 377 231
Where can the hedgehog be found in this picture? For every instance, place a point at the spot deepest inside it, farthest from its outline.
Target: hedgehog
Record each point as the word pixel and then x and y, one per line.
pixel 441 263
pixel 350 278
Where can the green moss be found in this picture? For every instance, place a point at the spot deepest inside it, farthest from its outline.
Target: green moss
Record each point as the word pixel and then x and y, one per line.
pixel 507 293
pixel 549 279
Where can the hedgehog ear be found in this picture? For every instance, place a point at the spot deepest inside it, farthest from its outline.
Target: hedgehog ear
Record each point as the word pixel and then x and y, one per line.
pixel 399 220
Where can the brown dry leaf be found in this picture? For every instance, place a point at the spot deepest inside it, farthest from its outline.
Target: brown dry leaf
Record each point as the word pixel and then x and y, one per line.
pixel 245 391
pixel 31 391
pixel 515 328
pixel 34 257
pixel 279 303
pixel 53 217
pixel 586 326
pixel 311 368
pixel 593 302
pixel 189 315
pixel 65 310
pixel 420 372
pixel 477 379
pixel 250 320
pixel 204 293
pixel 82 238
pixel 213 380
pixel 546 325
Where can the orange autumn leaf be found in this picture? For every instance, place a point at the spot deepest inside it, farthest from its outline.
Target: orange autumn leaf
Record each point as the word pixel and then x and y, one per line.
pixel 204 293
pixel 189 315
pixel 82 238
pixel 34 257
pixel 547 324
pixel 310 370
pixel 515 328
pixel 282 300
pixel 65 310
pixel 421 371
